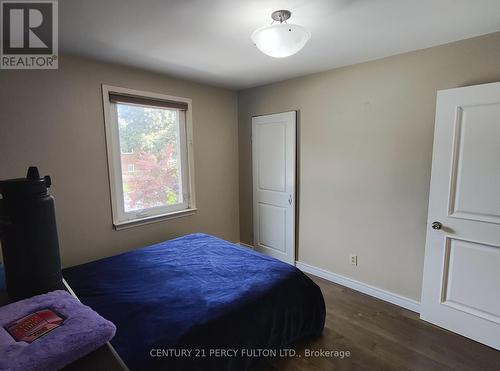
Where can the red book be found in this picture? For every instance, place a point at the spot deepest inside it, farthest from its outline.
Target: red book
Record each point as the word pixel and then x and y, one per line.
pixel 34 325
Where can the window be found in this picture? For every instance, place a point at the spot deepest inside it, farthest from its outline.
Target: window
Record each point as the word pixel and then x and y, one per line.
pixel 150 160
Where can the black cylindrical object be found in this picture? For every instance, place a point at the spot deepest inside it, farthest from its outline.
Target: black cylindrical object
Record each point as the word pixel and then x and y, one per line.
pixel 28 233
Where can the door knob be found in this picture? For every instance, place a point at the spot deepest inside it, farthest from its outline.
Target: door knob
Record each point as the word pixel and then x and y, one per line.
pixel 436 225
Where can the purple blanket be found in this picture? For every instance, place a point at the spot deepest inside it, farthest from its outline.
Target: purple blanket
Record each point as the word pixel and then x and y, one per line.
pixel 82 332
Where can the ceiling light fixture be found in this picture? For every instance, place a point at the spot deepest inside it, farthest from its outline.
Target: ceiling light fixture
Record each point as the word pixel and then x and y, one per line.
pixel 280 40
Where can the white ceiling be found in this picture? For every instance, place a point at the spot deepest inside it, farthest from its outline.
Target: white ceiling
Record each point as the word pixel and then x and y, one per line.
pixel 209 40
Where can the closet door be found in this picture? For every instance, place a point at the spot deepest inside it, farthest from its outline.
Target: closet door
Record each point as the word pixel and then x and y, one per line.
pixel 273 153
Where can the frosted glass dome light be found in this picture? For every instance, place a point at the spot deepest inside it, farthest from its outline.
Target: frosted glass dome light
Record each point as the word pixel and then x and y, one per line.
pixel 281 40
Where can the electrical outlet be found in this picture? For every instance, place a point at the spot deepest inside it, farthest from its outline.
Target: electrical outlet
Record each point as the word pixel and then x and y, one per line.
pixel 353 259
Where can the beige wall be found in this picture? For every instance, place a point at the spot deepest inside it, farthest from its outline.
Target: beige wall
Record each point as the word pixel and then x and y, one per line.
pixel 54 119
pixel 365 142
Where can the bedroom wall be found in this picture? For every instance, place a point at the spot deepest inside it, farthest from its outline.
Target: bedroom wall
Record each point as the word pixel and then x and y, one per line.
pixel 54 119
pixel 365 138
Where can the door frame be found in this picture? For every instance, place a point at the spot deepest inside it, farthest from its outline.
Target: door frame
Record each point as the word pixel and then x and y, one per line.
pixel 296 191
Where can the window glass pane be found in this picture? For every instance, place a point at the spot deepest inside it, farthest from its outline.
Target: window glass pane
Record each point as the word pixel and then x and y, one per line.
pixel 150 156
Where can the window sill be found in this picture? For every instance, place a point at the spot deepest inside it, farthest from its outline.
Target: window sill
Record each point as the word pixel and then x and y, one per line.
pixel 153 219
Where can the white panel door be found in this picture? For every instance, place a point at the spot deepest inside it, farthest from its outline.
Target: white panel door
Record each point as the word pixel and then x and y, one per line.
pixel 273 154
pixel 461 287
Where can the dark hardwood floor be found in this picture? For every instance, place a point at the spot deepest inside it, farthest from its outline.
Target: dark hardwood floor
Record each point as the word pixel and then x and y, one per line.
pixel 382 336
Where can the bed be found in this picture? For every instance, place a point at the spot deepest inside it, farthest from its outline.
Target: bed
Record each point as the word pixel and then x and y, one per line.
pixel 199 303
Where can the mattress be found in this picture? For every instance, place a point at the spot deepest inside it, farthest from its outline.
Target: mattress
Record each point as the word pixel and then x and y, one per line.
pixel 199 303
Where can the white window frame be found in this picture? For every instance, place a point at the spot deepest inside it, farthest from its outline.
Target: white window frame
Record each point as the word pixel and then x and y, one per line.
pixel 122 219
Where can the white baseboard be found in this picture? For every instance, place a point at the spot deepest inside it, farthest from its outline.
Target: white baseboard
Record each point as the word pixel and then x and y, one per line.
pixel 390 297
pixel 245 245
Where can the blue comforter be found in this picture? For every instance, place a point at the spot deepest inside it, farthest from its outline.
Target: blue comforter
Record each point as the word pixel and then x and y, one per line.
pixel 199 294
